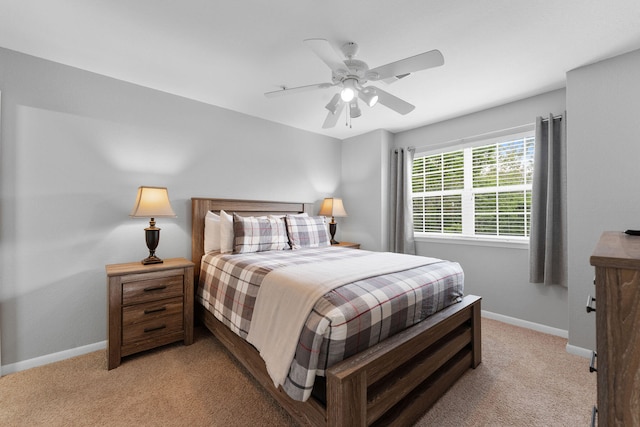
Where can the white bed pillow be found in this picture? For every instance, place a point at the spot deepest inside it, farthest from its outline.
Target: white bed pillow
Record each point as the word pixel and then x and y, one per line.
pixel 211 232
pixel 226 232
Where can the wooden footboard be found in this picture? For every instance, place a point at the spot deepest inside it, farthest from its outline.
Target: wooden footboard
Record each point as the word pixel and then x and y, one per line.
pixel 392 383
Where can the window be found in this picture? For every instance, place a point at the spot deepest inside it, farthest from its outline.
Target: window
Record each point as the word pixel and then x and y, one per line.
pixel 479 191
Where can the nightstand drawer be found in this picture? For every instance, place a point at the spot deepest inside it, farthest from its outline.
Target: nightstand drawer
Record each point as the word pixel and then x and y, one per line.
pixel 151 311
pixel 152 328
pixel 151 290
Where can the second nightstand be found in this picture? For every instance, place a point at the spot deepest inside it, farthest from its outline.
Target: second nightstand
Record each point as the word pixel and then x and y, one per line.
pixel 349 245
pixel 148 306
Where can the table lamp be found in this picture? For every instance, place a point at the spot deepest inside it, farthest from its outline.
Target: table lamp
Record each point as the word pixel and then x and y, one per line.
pixel 152 202
pixel 332 207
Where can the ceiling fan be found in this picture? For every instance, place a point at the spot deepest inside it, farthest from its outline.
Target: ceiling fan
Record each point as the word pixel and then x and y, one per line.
pixel 351 75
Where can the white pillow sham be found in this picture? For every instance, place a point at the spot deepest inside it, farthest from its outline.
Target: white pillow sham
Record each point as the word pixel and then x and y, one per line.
pixel 226 232
pixel 211 232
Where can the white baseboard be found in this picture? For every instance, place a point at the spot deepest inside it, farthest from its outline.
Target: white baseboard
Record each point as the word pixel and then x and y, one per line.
pixel 50 358
pixel 579 351
pixel 526 324
pixel 571 349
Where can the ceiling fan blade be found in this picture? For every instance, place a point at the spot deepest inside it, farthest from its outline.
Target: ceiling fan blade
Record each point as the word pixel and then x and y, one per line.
pixel 332 118
pixel 393 79
pixel 394 103
pixel 412 64
pixel 291 90
pixel 323 49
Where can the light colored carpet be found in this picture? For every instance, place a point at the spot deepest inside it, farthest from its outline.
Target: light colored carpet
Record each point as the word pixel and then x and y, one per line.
pixel 526 378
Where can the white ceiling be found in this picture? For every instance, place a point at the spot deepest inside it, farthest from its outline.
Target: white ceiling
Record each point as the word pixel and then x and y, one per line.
pixel 228 53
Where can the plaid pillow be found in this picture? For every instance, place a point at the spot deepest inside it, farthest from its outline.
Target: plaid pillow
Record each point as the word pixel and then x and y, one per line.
pixel 261 234
pixel 307 232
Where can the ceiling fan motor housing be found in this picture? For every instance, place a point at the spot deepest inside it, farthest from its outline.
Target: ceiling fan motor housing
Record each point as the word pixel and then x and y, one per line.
pixel 357 70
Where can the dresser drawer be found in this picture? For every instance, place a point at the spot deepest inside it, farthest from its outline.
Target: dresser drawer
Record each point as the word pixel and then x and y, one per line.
pixel 151 290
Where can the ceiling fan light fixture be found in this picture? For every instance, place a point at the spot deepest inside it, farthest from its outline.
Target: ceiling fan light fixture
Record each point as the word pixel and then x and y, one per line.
pixel 347 94
pixel 369 96
pixel 354 109
pixel 349 90
pixel 332 106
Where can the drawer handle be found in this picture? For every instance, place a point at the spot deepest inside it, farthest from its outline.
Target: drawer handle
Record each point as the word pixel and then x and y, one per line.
pixel 590 300
pixel 155 310
pixel 594 415
pixel 155 328
pixel 155 288
pixel 592 365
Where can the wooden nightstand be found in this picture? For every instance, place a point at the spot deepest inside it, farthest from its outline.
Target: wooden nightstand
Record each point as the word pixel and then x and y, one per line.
pixel 349 245
pixel 148 306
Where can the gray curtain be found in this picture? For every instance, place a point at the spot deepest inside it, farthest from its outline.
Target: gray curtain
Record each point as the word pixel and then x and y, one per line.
pixel 548 240
pixel 401 217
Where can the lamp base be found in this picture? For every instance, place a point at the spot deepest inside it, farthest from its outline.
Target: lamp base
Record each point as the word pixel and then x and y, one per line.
pixel 152 237
pixel 332 230
pixel 151 260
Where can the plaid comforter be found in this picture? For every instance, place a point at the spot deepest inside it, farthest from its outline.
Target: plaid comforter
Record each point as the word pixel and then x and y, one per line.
pixel 345 321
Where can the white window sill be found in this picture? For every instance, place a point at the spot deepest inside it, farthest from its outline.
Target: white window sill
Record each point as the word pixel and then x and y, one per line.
pixel 498 242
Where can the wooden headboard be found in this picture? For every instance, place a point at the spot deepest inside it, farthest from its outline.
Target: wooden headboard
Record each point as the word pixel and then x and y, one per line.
pixel 200 206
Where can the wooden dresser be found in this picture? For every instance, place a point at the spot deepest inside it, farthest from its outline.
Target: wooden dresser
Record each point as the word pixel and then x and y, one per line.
pixel 616 259
pixel 148 306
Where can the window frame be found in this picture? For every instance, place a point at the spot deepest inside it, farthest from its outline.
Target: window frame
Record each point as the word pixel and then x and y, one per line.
pixel 519 242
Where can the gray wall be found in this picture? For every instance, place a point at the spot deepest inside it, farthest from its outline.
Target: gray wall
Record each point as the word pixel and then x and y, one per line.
pixel 603 101
pixel 365 172
pixel 75 147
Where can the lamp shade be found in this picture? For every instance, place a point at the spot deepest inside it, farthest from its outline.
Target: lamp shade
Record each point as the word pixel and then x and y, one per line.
pixel 332 206
pixel 152 202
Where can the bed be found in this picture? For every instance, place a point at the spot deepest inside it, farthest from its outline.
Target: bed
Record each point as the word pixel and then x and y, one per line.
pixel 390 383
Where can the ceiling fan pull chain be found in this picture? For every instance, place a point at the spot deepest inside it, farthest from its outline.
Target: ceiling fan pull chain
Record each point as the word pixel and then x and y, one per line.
pixel 346 115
